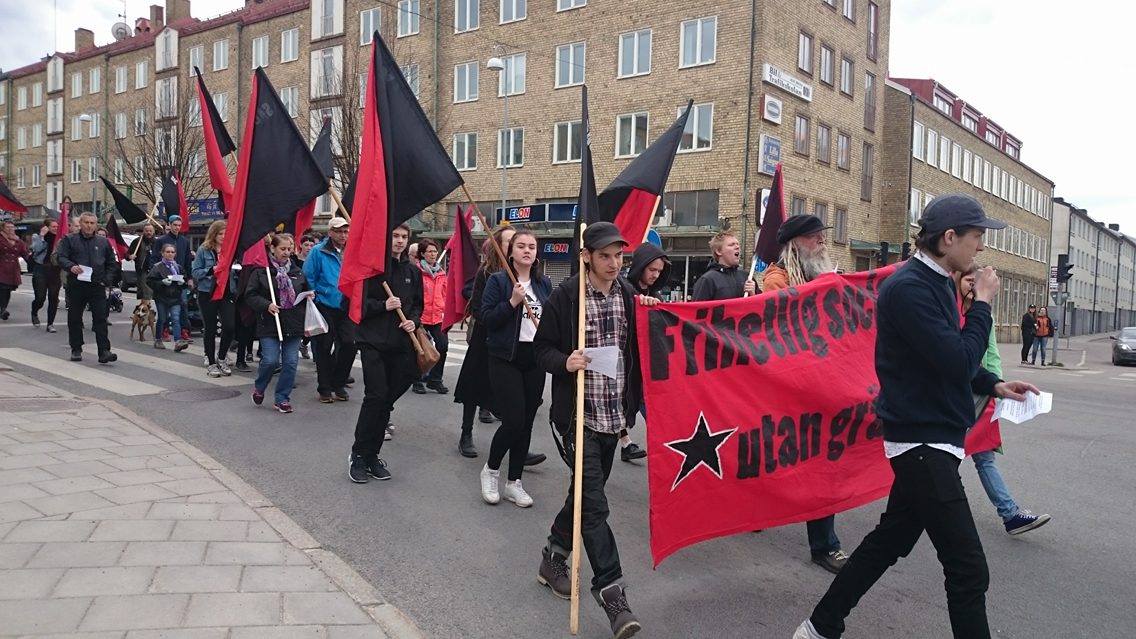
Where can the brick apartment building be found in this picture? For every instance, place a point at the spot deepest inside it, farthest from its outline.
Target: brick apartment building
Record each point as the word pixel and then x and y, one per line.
pixel 935 143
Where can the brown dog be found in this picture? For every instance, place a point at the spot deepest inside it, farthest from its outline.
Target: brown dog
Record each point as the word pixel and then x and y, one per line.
pixel 142 318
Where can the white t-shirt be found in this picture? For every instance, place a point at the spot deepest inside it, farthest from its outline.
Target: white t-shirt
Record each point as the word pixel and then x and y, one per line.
pixel 528 330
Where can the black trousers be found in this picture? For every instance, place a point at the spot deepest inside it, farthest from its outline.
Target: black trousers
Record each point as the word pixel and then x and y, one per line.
pixel 244 334
pixel 5 297
pixel 335 351
pixel 599 540
pixel 521 385
pixel 45 290
pixel 927 495
pixel 210 312
pixel 387 375
pixel 1027 342
pixel 79 296
pixel 442 343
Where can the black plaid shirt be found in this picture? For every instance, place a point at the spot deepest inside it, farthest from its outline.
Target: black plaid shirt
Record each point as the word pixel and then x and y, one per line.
pixel 605 325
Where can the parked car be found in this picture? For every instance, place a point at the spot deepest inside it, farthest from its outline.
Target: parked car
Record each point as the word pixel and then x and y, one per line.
pixel 1124 346
pixel 129 277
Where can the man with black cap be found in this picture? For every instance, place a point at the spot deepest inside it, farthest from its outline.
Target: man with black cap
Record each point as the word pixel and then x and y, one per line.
pixel 1029 330
pixel 609 406
pixel 649 271
pixel 928 371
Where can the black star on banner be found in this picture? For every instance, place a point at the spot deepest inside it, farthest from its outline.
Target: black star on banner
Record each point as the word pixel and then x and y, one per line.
pixel 700 449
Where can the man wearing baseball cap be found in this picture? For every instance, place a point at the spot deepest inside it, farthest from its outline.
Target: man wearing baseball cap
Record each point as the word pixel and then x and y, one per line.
pixel 335 349
pixel 804 255
pixel 928 371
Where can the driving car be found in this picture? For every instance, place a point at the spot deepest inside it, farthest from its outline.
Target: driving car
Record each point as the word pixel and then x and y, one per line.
pixel 1124 346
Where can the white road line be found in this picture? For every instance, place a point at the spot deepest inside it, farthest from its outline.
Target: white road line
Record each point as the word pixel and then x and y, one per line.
pixel 82 373
pixel 181 369
pixel 1123 379
pixel 1088 372
pixel 1128 374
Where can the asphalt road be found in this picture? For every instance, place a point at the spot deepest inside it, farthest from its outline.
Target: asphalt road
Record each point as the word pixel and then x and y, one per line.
pixel 461 568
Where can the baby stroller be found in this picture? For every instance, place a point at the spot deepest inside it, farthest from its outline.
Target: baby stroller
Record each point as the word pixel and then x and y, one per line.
pixel 114 300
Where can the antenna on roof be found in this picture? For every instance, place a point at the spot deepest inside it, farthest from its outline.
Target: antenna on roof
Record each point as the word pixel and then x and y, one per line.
pixel 121 30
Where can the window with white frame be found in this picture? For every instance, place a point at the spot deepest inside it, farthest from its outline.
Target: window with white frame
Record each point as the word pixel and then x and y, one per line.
pixel 139 173
pixel 37 135
pixel 259 52
pixel 141 74
pixel 408 17
pixel 843 151
pixel 699 39
pixel 140 120
pixel 22 137
pixel 466 81
pixel 942 104
pixel 997 182
pixel 976 178
pixel 466 15
pixel 95 80
pixel 635 53
pixel 55 115
pixel 94 125
pixel 221 55
pixel 193 164
pixel 196 59
pixel 992 137
pixel 37 94
pixel 120 79
pixel 21 98
pixel 21 178
pixel 987 176
pixel 37 175
pixel 327 18
pixel 290 96
pixel 827 64
pixel 805 52
pixel 3 130
pixel 92 169
pixel 465 151
pixel 918 141
pixel 410 72
pixel 631 132
pixel 970 123
pixel 316 118
pixel 564 5
pixel 166 98
pixel 510 147
pixel 221 101
pixel 570 64
pixel 512 80
pixel 76 128
pixel 932 156
pixel 370 21
pixel 167 48
pixel 290 45
pixel 566 142
pixel 514 10
pixel 914 207
pixel 966 160
pixel 327 71
pixel 849 10
pixel 846 79
pixel 54 157
pixel 119 126
pixel 76 171
pixel 55 75
pixel 3 93
pixel 699 132
pixel 945 154
pixel 77 84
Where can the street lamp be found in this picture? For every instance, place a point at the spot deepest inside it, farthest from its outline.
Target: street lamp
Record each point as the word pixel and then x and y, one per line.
pixel 87 117
pixel 499 65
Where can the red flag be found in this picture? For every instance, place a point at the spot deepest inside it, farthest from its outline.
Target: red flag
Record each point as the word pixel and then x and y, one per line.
pixel 767 249
pixel 9 201
pixel 64 219
pixel 218 143
pixel 630 200
pixel 403 168
pixel 256 255
pixel 304 219
pixel 114 236
pixel 462 268
pixel 762 409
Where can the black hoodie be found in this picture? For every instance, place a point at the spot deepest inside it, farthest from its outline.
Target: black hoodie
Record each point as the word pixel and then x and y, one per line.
pixel 720 283
pixel 644 255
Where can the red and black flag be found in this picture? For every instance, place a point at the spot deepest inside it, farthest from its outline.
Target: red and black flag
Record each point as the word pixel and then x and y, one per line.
pixel 462 268
pixel 321 151
pixel 218 143
pixel 767 249
pixel 114 236
pixel 587 204
pixel 131 212
pixel 403 169
pixel 173 196
pixel 276 176
pixel 9 201
pixel 631 199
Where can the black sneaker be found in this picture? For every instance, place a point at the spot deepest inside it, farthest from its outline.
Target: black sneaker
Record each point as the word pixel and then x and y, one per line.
pixel 614 602
pixel 341 395
pixel 437 387
pixel 35 319
pixel 484 416
pixel 76 354
pixel 242 367
pixel 357 470
pixel 532 459
pixel 1025 521
pixel 419 388
pixel 466 447
pixel 106 357
pixel 326 398
pixel 350 381
pixel 631 452
pixel 831 561
pixel 377 468
pixel 554 573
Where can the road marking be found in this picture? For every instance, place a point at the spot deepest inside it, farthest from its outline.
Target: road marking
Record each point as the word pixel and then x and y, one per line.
pixel 1088 372
pixel 84 374
pixel 169 365
pixel 1124 379
pixel 1128 374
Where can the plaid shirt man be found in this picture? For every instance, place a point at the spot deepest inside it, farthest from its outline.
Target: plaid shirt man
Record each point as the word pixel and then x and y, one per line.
pixel 606 325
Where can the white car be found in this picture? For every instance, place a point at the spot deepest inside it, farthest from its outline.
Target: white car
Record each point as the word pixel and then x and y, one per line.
pixel 129 277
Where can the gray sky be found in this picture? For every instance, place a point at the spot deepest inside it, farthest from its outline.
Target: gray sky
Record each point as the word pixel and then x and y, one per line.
pixel 1053 74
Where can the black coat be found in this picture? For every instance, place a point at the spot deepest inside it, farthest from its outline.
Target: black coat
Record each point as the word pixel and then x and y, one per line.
pixel 1029 325
pixel 94 251
pixel 258 297
pixel 378 327
pixel 720 283
pixel 165 293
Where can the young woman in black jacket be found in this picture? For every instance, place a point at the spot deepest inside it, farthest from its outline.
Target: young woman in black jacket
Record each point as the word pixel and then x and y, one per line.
pixel 288 281
pixel 516 379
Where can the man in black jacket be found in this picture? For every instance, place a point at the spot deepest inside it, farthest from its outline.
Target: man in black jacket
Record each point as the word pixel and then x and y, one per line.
pixel 723 280
pixel 1029 330
pixel 928 370
pixel 387 354
pixel 91 266
pixel 609 406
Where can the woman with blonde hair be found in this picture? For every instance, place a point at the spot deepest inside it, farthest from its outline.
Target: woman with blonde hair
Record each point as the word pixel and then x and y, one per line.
pixel 216 355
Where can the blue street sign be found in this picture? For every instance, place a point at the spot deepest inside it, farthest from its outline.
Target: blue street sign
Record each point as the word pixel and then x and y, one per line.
pixel 654 238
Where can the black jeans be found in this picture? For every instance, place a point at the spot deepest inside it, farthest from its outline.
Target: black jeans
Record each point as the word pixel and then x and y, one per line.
pixel 79 296
pixel 210 312
pixel 822 536
pixel 522 382
pixel 442 343
pixel 927 494
pixel 5 297
pixel 599 540
pixel 1027 342
pixel 335 351
pixel 244 334
pixel 386 376
pixel 45 290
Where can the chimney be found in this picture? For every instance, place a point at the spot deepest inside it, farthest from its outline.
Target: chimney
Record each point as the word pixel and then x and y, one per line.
pixel 1114 227
pixel 141 25
pixel 84 39
pixel 176 10
pixel 156 17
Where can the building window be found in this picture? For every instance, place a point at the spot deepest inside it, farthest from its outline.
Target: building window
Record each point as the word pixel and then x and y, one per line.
pixel 120 79
pixel 37 175
pixel 566 142
pixel 801 135
pixel 1012 151
pixel 21 98
pixel 410 72
pixel 514 10
pixel 22 137
pixel 76 172
pixel 196 58
pixel 95 80
pixel 917 140
pixel 290 96
pixel 956 160
pixel 94 125
pixel 140 121
pixel 327 20
pixel 167 50
pixel 699 132
pixel 37 135
pixel 840 226
pixel 820 209
pixel 3 132
pixel 570 64
pixel 692 208
pixel 868 172
pixel 932 147
pixel 37 94
pixel 699 39
pixel 510 147
pixel 260 52
pixel 849 10
pixel 846 80
pixel 92 169
pixel 290 45
pixel 796 205
pixel 141 71
pixel 824 143
pixel 873 31
pixel 370 21
pixel 221 101
pixel 466 82
pixel 991 137
pixel 970 123
pixel 843 151
pixel 21 178
pixel 976 180
pixel 55 116
pixel 77 85
pixel 914 207
pixel 465 151
pixel 827 64
pixel 635 53
pixel 869 101
pixel 512 80
pixel 943 105
pixel 466 16
pixel 408 16
pixel 119 126
pixel 966 159
pixel 945 154
pixel 564 5
pixel 166 98
pixel 220 55
pixel 987 176
pixel 327 67
pixel 631 134
pixel 805 52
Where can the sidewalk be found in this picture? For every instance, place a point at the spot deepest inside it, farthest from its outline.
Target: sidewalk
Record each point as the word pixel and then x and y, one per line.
pixel 112 527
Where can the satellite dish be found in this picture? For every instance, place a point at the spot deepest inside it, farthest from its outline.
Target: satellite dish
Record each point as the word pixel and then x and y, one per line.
pixel 120 30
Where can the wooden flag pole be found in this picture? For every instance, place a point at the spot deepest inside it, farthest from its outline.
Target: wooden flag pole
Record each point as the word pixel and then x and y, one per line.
pixel 338 201
pixel 402 317
pixel 651 220
pixel 578 464
pixel 500 252
pixel 752 268
pixel 272 295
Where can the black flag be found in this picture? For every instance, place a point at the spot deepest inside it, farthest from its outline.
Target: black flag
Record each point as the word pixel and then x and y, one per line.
pixel 131 212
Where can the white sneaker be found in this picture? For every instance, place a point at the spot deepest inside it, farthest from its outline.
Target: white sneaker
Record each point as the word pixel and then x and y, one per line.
pixel 807 631
pixel 213 370
pixel 515 493
pixel 489 483
pixel 224 366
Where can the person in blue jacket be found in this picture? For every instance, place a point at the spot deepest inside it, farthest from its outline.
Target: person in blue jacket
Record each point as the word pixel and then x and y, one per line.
pixel 335 349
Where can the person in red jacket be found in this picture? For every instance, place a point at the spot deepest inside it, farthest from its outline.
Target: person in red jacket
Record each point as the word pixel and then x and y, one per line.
pixel 433 308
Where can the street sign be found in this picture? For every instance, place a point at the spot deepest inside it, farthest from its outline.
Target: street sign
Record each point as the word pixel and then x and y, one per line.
pixel 654 238
pixel 1053 279
pixel 1060 298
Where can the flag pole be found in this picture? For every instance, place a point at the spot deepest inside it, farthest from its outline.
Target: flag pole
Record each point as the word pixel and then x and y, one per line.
pixel 651 220
pixel 402 317
pixel 272 295
pixel 752 268
pixel 578 466
pixel 500 251
pixel 338 201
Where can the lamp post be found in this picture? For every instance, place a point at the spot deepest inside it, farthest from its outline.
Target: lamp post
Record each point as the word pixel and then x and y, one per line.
pixel 499 65
pixel 87 117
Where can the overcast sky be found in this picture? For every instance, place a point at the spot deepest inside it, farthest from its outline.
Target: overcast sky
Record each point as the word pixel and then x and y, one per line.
pixel 1054 74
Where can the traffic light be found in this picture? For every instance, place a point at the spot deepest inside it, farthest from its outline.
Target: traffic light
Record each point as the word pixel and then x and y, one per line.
pixel 884 248
pixel 905 251
pixel 1064 268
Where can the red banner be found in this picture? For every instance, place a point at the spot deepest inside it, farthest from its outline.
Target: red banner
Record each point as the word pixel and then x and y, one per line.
pixel 761 409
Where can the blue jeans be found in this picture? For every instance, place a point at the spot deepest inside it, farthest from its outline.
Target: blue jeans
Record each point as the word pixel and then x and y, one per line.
pixel 1038 342
pixel 995 487
pixel 168 314
pixel 822 536
pixel 272 354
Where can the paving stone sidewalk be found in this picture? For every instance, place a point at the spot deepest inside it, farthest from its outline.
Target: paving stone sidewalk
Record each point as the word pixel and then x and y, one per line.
pixel 112 527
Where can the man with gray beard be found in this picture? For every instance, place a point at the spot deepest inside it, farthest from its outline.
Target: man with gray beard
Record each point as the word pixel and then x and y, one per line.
pixel 804 257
